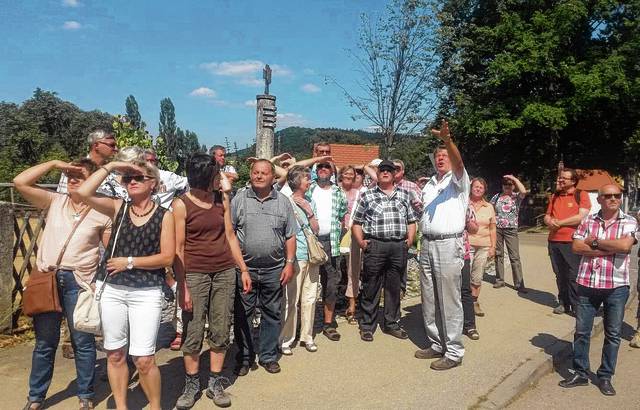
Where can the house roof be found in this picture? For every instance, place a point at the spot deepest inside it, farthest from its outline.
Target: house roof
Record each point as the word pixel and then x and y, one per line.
pixel 346 154
pixel 594 179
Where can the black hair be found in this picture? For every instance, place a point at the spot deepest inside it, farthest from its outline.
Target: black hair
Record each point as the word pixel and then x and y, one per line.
pixel 201 170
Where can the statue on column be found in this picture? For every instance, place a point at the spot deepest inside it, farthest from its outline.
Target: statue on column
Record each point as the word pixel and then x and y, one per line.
pixel 266 75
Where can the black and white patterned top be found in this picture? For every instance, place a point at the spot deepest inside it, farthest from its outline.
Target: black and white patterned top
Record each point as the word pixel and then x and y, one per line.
pixel 135 241
pixel 384 216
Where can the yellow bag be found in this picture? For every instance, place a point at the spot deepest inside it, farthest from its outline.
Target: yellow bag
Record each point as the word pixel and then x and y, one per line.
pixel 345 243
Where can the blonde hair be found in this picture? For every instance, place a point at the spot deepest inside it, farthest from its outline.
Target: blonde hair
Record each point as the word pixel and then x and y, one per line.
pixel 130 154
pixel 150 169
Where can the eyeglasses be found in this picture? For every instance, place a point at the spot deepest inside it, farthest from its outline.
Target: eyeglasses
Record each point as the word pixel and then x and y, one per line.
pixel 324 151
pixel 611 196
pixel 126 179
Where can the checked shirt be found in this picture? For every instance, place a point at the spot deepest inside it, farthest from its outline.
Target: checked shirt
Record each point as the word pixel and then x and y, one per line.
pixel 384 216
pixel 338 211
pixel 605 272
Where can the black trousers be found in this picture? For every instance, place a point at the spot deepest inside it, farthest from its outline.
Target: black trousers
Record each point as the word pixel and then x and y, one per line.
pixel 383 266
pixel 467 298
pixel 565 265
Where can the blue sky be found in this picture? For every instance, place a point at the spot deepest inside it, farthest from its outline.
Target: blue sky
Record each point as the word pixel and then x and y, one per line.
pixel 207 56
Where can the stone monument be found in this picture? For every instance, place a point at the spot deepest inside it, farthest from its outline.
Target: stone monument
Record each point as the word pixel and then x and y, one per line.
pixel 265 118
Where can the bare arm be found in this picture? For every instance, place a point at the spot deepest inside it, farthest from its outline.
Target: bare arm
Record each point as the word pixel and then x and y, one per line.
pixel 25 182
pixel 622 245
pixel 358 235
pixel 86 191
pixel 234 245
pixel 313 160
pixel 411 234
pixel 167 247
pixel 580 247
pixel 454 154
pixel 522 191
pixel 371 172
pixel 179 218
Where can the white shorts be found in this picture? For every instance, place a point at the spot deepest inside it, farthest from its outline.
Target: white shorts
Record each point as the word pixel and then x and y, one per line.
pixel 130 316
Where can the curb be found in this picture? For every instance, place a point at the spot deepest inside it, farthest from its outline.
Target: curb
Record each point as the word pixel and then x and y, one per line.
pixel 532 369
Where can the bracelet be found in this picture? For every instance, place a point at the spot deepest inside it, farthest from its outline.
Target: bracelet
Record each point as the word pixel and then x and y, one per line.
pixel 311 216
pixel 106 169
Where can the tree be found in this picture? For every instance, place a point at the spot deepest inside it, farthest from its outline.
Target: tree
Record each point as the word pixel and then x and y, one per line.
pixel 167 128
pixel 127 135
pixel 133 114
pixel 396 58
pixel 527 83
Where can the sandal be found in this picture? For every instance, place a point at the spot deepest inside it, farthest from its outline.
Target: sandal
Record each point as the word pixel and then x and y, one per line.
pixel 331 334
pixel 351 318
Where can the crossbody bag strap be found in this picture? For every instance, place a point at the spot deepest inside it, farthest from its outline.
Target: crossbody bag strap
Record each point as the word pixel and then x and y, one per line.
pixel 113 249
pixel 73 230
pixel 295 213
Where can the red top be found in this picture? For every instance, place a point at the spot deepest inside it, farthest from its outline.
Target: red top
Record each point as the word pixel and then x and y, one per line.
pixel 562 206
pixel 206 249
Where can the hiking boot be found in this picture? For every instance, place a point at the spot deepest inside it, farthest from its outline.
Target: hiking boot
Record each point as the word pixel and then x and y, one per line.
pixel 477 309
pixel 498 284
pixel 444 364
pixel 216 392
pixel 428 353
pixel 635 342
pixel 190 394
pixel 85 404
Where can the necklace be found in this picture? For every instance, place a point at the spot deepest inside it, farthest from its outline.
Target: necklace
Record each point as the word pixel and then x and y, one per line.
pixel 77 213
pixel 144 214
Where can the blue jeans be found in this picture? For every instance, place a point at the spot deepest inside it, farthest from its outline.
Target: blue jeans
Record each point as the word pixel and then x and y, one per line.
pixel 614 301
pixel 47 328
pixel 266 293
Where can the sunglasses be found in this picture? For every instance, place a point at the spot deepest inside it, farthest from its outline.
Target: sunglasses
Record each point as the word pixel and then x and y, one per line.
pixel 611 196
pixel 126 179
pixel 325 166
pixel 112 145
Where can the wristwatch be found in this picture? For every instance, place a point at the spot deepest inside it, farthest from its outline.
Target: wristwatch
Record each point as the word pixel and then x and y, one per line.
pixel 130 262
pixel 290 260
pixel 594 244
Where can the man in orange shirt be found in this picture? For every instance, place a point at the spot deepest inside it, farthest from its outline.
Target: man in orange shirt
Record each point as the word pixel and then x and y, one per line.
pixel 567 207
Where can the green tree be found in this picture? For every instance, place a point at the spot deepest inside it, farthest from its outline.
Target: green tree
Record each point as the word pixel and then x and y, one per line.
pixel 133 114
pixel 127 135
pixel 168 129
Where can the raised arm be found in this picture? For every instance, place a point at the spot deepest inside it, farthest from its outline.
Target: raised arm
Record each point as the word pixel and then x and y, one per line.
pixel 25 182
pixel 522 191
pixel 87 191
pixel 454 154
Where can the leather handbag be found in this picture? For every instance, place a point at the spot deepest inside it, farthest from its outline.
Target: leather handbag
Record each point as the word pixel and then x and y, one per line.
pixel 86 315
pixel 40 295
pixel 317 254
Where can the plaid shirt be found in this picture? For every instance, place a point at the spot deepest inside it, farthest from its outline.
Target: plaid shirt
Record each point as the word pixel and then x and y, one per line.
pixel 605 272
pixel 338 211
pixel 384 216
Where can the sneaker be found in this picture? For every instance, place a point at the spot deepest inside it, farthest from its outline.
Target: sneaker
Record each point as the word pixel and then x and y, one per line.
pixel 428 353
pixel 472 334
pixel 477 309
pixel 85 404
pixel 216 392
pixel 444 364
pixel 635 342
pixel 498 284
pixel 558 310
pixel 190 393
pixel 311 347
pixel 286 350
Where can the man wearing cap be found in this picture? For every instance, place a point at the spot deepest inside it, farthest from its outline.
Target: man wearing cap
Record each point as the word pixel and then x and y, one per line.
pixel 331 205
pixel 384 225
pixel 445 198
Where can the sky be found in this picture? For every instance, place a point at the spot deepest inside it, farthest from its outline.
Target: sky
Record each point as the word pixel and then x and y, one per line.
pixel 207 56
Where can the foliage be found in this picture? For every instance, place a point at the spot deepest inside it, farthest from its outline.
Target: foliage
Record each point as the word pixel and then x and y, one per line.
pixel 167 129
pixel 528 83
pixel 128 135
pixel 133 114
pixel 396 59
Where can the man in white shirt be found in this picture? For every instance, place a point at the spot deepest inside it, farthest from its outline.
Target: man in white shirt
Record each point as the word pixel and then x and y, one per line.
pixel 171 184
pixel 218 153
pixel 445 198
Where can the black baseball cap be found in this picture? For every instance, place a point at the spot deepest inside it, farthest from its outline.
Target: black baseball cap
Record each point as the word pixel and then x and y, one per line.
pixel 387 165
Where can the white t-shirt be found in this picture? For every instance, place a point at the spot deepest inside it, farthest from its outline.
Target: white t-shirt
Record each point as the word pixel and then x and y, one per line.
pixel 445 204
pixel 170 185
pixel 323 201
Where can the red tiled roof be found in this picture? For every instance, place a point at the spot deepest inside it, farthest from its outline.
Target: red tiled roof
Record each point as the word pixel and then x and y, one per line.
pixel 594 179
pixel 346 154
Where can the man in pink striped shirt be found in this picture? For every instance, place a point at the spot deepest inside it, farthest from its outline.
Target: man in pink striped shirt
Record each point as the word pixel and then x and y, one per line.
pixel 604 240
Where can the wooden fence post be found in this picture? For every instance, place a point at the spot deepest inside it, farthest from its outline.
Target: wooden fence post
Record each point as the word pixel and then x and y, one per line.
pixel 6 266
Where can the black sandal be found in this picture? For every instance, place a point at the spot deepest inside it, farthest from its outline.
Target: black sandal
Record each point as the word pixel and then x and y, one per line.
pixel 331 334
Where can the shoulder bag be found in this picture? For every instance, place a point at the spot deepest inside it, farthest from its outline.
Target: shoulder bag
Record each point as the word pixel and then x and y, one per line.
pixel 86 315
pixel 317 254
pixel 40 294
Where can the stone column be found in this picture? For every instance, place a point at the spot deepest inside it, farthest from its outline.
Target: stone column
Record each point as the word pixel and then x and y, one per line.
pixel 265 125
pixel 6 266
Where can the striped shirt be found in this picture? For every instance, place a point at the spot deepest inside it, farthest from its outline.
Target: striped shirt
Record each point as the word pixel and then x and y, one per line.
pixel 605 272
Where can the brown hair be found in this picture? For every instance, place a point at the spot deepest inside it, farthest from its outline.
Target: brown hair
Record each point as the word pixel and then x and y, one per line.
pixel 482 182
pixel 85 163
pixel 574 174
pixel 346 168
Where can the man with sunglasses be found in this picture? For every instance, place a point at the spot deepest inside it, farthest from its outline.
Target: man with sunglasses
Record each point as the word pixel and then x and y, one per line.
pixel 567 207
pixel 604 240
pixel 102 148
pixel 331 205
pixel 321 149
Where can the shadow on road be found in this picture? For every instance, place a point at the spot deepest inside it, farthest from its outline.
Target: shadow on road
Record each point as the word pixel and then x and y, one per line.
pixel 412 323
pixel 540 297
pixel 560 350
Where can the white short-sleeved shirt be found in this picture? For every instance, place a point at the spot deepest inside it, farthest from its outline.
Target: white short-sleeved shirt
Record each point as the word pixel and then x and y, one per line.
pixel 445 204
pixel 171 185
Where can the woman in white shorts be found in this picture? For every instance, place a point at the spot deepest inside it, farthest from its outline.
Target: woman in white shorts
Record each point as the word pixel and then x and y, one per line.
pixel 141 247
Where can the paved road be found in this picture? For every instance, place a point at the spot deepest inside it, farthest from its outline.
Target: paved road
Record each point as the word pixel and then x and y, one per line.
pixel 354 374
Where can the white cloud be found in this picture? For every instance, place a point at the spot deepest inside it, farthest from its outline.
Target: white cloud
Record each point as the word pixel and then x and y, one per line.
pixel 203 92
pixel 310 88
pixel 71 25
pixel 246 72
pixel 250 103
pixel 290 119
pixel 70 3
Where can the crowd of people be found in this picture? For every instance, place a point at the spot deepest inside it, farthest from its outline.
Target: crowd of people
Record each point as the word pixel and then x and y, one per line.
pixel 134 230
